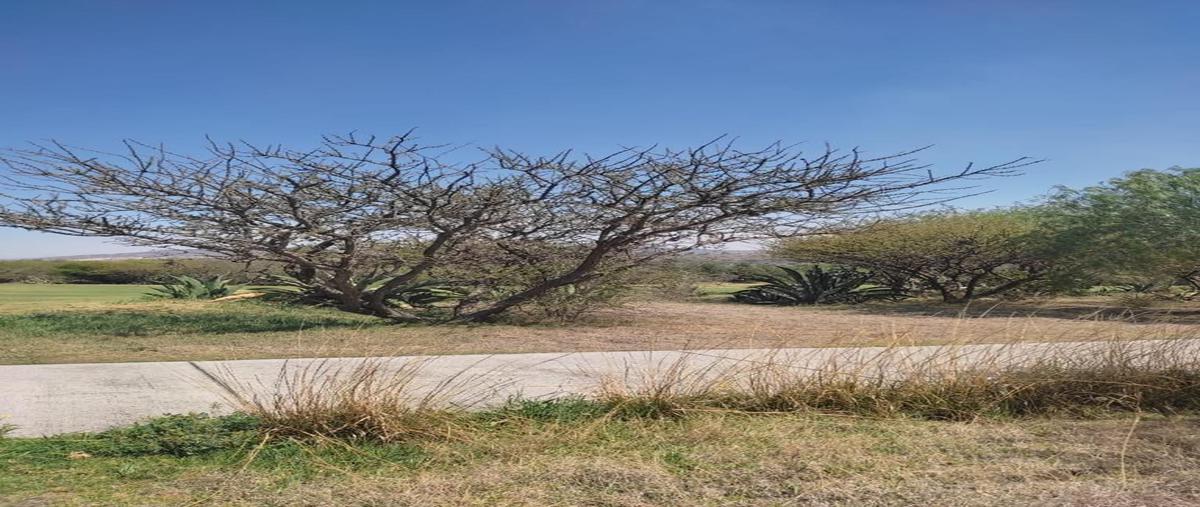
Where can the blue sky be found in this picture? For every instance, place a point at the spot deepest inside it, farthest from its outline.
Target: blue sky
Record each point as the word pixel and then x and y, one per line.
pixel 1095 87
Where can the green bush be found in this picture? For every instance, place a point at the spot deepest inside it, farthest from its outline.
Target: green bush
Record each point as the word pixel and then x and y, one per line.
pixel 28 271
pixel 424 294
pixel 179 435
pixel 104 272
pixel 557 410
pixel 813 286
pixel 187 287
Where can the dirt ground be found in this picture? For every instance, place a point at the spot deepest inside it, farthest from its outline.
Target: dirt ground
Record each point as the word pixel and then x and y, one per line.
pixel 638 326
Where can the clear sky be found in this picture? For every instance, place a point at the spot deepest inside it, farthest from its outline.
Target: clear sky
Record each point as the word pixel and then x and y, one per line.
pixel 1096 87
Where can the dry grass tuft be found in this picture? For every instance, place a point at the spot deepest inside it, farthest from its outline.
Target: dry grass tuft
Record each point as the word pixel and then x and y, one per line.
pixel 382 400
pixel 942 383
pixel 375 399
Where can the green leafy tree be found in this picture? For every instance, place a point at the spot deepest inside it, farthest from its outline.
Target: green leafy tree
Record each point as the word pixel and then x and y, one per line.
pixel 1139 228
pixel 961 256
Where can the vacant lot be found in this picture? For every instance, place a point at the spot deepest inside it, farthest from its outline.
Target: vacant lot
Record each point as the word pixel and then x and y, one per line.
pixel 96 323
pixel 715 459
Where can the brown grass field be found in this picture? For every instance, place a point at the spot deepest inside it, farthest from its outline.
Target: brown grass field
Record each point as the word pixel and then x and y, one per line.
pixel 124 328
pixel 1100 439
pixel 713 459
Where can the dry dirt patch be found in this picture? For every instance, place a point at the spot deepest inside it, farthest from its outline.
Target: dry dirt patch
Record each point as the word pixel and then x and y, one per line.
pixel 639 326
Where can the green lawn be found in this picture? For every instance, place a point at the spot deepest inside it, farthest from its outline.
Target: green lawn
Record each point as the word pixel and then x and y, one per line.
pixel 24 296
pixel 86 323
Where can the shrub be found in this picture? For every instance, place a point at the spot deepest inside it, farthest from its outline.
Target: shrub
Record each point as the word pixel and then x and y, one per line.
pixel 105 272
pixel 961 256
pixel 179 435
pixel 187 287
pixel 28 271
pixel 813 286
pixel 420 295
pixel 569 409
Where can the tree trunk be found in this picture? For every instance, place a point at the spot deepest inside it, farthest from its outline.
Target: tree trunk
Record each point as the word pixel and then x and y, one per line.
pixel 580 273
pixel 948 295
pixel 349 297
pixel 952 298
pixel 524 296
pixel 1007 286
pixel 379 308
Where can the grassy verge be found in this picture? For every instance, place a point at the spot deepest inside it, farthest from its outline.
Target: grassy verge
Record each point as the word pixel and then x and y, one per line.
pixel 1111 425
pixel 553 455
pixel 174 320
pixel 164 330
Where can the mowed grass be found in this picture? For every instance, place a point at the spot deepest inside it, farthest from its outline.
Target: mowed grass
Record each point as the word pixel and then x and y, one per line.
pixel 23 296
pixel 41 311
pixel 177 320
pixel 547 456
pixel 97 323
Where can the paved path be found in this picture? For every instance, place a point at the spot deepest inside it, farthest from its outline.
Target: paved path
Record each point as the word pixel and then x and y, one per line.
pixel 61 398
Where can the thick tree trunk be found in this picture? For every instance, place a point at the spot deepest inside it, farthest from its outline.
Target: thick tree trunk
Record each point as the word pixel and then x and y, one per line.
pixel 581 272
pixel 525 296
pixel 1007 286
pixel 379 308
pixel 952 298
pixel 948 295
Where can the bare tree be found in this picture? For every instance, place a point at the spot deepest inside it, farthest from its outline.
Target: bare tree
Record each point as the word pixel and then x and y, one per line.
pixel 346 216
pixel 363 217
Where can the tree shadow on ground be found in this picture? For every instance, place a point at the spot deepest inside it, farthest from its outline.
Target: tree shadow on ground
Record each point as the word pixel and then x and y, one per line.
pixel 1070 309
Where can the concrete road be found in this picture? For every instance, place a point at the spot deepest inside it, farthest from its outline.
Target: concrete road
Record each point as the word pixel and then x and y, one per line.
pixel 63 398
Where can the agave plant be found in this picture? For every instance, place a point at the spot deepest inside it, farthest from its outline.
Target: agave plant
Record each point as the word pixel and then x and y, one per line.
pixel 187 287
pixel 813 286
pixel 418 295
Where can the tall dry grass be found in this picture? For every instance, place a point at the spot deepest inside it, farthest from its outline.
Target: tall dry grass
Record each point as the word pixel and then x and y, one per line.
pixel 944 382
pixel 374 398
pixel 389 400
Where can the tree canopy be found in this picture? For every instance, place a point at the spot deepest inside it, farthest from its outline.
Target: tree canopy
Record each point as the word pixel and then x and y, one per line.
pixel 360 218
pixel 962 255
pixel 1143 226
